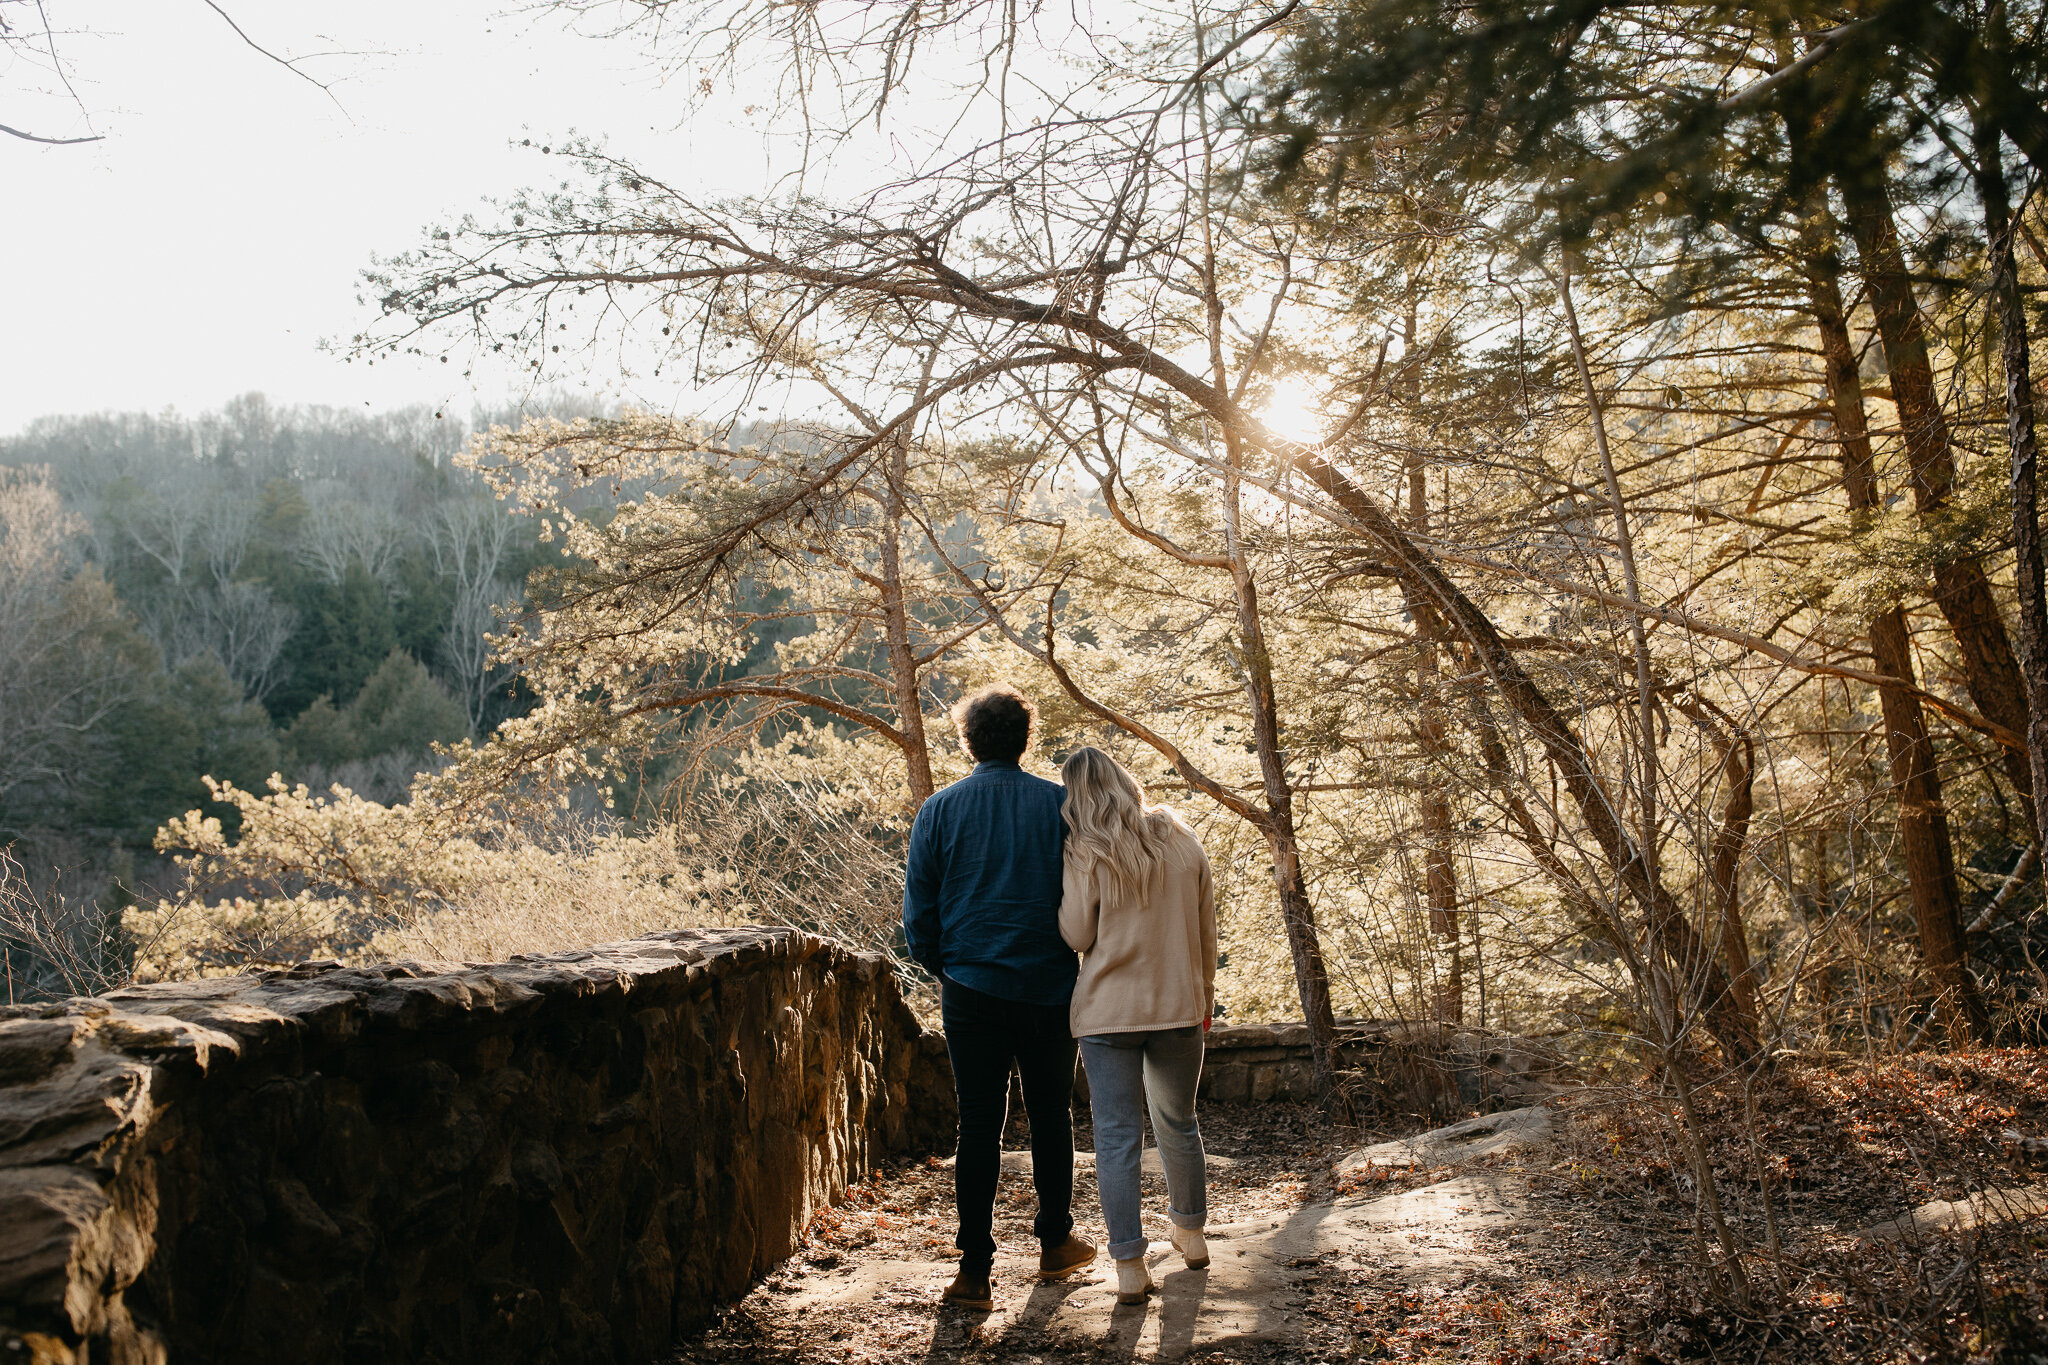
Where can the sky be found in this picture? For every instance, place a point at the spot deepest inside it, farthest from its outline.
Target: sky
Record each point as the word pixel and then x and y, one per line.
pixel 214 237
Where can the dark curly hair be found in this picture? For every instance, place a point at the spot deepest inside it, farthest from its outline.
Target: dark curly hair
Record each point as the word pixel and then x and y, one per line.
pixel 995 723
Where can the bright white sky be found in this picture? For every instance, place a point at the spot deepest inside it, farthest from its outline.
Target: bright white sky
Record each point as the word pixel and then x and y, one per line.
pixel 214 238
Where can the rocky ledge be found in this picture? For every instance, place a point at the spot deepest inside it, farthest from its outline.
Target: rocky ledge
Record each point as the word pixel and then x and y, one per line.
pixel 566 1156
pixel 1395 1065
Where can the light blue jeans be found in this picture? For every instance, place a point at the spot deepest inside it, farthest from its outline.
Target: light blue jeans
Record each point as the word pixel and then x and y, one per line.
pixel 1126 1072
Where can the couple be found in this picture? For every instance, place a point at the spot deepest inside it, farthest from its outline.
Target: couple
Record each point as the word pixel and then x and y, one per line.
pixel 1009 876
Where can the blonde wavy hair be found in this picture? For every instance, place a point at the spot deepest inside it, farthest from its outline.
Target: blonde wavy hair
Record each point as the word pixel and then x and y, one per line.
pixel 1109 823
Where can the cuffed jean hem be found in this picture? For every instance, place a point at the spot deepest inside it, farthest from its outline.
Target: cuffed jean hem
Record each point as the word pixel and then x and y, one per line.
pixel 1126 1251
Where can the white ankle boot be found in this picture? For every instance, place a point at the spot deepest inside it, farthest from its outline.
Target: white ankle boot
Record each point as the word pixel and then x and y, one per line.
pixel 1190 1243
pixel 1133 1281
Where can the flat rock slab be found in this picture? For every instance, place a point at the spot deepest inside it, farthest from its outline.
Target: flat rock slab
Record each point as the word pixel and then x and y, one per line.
pixel 1250 1291
pixel 1986 1206
pixel 1472 1140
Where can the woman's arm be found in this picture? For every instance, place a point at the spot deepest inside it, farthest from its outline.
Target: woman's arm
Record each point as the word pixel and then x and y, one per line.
pixel 1079 909
pixel 1208 913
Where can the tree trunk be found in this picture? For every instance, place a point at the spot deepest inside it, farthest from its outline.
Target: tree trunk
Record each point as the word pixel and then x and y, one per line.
pixel 1924 836
pixel 1739 770
pixel 1962 591
pixel 1439 871
pixel 2027 569
pixel 1297 911
pixel 1440 878
pixel 1276 822
pixel 1737 752
pixel 1923 818
pixel 903 670
pixel 1304 945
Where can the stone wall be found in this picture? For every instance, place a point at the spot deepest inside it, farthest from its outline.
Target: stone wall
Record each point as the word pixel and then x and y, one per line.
pixel 1395 1066
pixel 567 1157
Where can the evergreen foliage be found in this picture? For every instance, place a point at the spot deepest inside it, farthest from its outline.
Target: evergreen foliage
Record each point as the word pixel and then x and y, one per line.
pixel 252 591
pixel 1600 113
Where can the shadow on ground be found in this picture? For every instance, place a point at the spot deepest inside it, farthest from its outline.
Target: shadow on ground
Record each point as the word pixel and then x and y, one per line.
pixel 1559 1236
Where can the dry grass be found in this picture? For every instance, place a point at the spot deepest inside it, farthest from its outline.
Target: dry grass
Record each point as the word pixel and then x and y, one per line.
pixel 330 875
pixel 55 940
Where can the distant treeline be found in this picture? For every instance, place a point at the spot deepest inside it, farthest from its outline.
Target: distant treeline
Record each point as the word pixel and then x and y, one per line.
pixel 258 590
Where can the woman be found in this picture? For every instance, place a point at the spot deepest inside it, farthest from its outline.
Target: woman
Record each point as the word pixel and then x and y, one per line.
pixel 1138 901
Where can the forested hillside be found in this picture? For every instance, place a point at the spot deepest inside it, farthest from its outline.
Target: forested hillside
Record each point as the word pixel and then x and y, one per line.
pixel 255 591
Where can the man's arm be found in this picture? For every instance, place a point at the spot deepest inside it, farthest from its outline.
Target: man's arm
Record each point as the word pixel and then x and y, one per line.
pixel 922 878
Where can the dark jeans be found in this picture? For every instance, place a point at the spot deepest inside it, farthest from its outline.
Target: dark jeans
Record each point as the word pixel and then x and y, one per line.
pixel 985 1036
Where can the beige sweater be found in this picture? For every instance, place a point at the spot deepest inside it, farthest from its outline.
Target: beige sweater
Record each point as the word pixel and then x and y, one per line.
pixel 1149 964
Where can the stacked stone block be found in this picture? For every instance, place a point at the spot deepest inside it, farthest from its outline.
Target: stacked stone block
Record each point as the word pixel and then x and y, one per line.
pixel 1407 1067
pixel 566 1157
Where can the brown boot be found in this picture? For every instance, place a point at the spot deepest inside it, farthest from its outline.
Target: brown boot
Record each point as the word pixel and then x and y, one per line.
pixel 970 1290
pixel 1056 1263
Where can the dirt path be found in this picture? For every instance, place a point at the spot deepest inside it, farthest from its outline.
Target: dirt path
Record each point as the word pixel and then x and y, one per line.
pixel 1288 1228
pixel 1574 1247
pixel 1253 1292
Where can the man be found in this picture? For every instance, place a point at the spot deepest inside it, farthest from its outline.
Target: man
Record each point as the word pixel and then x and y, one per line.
pixel 981 911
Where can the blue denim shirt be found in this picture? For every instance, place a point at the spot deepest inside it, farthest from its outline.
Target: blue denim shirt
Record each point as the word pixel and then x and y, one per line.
pixel 981 894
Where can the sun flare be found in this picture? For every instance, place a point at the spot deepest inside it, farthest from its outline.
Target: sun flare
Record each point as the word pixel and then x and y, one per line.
pixel 1294 411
